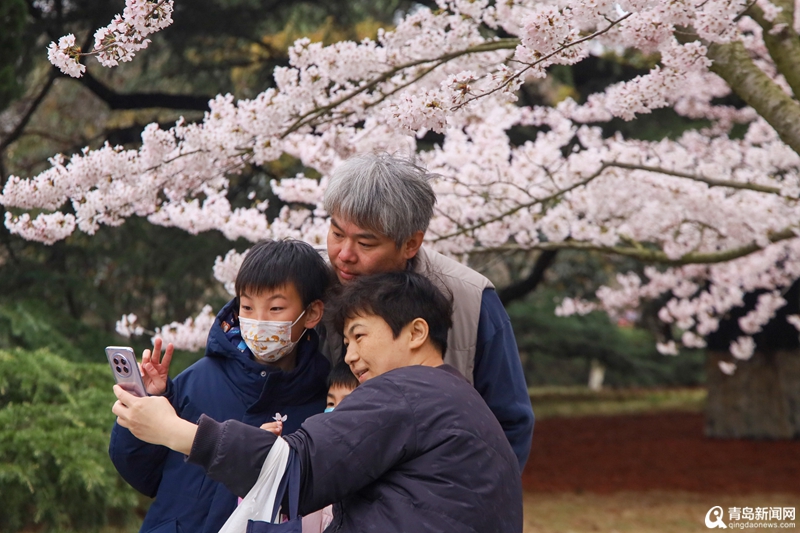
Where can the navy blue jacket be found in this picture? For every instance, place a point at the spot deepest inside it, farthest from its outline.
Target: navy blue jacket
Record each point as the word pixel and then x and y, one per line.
pixel 226 384
pixel 497 374
pixel 499 378
pixel 413 450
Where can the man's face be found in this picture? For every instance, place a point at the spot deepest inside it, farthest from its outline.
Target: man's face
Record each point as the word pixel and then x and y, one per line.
pixel 371 347
pixel 355 251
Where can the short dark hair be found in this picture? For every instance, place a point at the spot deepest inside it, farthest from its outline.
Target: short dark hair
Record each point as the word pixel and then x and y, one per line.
pixel 398 298
pixel 342 376
pixel 270 264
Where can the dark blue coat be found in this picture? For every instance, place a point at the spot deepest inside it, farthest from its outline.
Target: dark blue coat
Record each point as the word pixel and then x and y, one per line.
pixel 415 449
pixel 226 384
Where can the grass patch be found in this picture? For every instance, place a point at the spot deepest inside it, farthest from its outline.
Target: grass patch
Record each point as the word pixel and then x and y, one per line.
pixel 549 402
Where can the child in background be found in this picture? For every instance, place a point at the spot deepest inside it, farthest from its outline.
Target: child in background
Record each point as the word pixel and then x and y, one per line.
pixel 341 382
pixel 262 357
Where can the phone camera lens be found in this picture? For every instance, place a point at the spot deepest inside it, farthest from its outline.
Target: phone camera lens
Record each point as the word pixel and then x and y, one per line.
pixel 116 360
pixel 119 370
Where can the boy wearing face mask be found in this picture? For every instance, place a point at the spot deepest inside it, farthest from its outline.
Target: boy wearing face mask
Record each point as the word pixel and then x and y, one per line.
pixel 261 358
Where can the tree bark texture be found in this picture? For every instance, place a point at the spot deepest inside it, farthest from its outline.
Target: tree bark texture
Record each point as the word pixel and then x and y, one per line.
pixel 732 63
pixel 783 45
pixel 761 400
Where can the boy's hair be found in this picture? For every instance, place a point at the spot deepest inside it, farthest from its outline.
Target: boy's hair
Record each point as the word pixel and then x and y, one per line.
pixel 342 376
pixel 270 264
pixel 398 298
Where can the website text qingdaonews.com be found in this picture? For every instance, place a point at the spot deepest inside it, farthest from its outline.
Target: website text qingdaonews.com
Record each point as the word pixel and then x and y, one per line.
pixel 761 525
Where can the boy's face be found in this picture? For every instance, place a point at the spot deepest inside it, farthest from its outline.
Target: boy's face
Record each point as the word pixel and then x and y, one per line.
pixel 337 393
pixel 371 347
pixel 281 304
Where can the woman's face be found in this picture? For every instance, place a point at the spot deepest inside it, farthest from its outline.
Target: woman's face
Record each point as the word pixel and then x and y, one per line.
pixel 372 348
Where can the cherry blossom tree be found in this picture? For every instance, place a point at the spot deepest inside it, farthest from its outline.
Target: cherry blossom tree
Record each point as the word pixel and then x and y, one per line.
pixel 713 214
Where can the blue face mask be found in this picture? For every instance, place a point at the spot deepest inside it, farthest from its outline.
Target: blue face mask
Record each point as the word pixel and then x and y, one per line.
pixel 328 410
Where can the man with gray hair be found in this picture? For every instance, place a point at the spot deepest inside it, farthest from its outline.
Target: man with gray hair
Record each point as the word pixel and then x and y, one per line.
pixel 380 207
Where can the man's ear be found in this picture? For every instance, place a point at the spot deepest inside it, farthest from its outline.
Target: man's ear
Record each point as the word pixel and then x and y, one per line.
pixel 419 331
pixel 411 246
pixel 313 314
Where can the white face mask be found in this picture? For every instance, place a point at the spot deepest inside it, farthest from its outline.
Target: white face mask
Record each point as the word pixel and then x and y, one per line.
pixel 268 340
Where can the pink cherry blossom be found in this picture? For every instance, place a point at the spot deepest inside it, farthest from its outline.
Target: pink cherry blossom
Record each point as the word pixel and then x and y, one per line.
pixel 117 42
pixel 677 204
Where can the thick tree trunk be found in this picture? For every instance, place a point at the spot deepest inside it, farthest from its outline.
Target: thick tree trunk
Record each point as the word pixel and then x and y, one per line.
pixel 761 400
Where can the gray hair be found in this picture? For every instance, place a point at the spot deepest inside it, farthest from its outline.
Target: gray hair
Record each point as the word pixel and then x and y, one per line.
pixel 384 193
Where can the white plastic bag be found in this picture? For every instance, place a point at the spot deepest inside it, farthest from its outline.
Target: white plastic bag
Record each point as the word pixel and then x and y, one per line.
pixel 257 505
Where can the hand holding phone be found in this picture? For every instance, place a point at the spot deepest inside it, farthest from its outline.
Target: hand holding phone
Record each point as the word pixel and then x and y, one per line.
pixel 123 364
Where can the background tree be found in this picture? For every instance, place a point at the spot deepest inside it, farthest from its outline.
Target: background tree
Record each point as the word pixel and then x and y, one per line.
pixel 78 287
pixel 712 211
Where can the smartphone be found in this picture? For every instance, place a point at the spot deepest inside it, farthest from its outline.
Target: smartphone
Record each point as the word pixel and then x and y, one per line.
pixel 126 372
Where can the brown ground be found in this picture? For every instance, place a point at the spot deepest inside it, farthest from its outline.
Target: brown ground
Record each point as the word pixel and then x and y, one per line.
pixel 664 452
pixel 640 512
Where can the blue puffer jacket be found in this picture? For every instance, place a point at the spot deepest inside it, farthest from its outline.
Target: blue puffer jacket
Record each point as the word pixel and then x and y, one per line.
pixel 226 384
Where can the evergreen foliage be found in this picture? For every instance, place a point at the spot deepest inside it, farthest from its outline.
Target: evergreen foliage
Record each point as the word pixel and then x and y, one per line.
pixel 55 422
pixel 558 351
pixel 12 20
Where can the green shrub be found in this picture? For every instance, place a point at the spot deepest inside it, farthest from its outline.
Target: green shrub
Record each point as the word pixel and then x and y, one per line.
pixel 55 422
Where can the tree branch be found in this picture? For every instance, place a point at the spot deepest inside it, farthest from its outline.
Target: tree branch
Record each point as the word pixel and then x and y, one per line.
pixel 557 51
pixel 129 134
pixel 518 207
pixel 307 118
pixel 652 256
pixel 17 131
pixel 784 45
pixel 709 181
pixel 116 100
pixel 522 288
pixel 732 63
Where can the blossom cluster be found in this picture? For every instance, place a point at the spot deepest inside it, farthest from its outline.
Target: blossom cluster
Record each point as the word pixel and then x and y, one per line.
pixel 718 213
pixel 119 41
pixel 65 55
pixel 226 268
pixel 128 326
pixel 191 334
